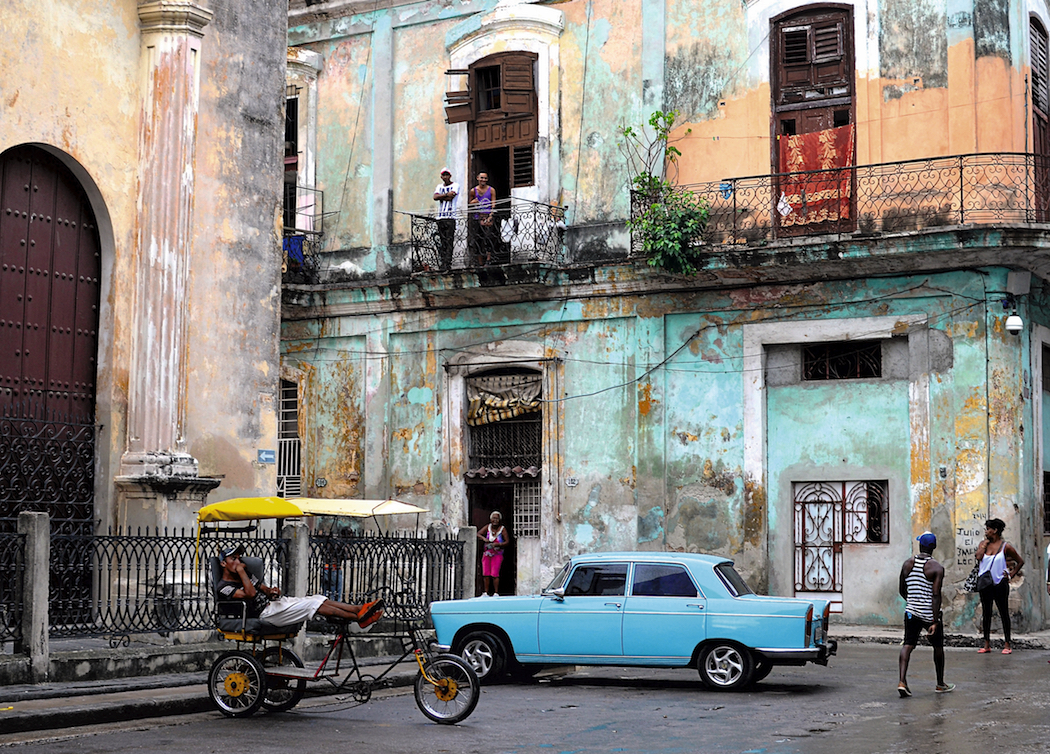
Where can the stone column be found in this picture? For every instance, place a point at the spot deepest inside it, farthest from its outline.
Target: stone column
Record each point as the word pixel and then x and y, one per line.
pixel 468 576
pixel 171 37
pixel 36 528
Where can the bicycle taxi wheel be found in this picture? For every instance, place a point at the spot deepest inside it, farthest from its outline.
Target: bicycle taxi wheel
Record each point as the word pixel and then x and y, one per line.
pixel 448 689
pixel 237 684
pixel 282 693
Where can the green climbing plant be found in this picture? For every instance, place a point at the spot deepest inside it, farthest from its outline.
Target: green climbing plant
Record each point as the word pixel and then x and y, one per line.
pixel 668 219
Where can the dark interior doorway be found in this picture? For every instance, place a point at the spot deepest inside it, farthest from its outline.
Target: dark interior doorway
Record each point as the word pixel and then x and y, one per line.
pixel 482 500
pixel 495 162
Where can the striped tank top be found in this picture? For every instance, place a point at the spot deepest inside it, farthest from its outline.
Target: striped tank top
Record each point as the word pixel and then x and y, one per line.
pixel 920 590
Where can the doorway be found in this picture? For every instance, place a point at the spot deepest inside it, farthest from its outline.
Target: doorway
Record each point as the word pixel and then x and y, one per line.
pixel 482 500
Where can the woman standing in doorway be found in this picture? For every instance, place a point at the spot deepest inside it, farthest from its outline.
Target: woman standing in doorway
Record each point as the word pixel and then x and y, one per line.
pixel 999 562
pixel 495 538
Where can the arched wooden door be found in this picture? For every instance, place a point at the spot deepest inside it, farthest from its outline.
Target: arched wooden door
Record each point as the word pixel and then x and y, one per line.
pixel 49 301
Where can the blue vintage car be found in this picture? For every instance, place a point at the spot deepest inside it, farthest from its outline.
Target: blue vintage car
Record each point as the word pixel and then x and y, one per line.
pixel 647 609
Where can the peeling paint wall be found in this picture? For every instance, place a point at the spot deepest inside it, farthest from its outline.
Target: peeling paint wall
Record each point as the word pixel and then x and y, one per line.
pixel 651 424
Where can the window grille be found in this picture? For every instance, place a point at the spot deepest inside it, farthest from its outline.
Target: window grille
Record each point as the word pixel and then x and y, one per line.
pixel 527 509
pixel 866 512
pixel 289 464
pixel 508 443
pixel 849 360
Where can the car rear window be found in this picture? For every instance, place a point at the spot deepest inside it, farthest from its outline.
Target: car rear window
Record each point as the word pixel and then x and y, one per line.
pixel 734 581
pixel 659 580
pixel 608 579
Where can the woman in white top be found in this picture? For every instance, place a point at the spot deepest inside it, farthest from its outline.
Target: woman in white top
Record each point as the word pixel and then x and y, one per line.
pixel 1001 562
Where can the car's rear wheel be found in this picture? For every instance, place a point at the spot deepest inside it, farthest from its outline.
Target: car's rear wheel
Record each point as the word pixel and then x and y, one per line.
pixel 725 665
pixel 485 653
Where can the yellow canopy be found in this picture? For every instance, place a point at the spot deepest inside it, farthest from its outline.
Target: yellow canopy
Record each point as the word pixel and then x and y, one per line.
pixel 247 508
pixel 359 508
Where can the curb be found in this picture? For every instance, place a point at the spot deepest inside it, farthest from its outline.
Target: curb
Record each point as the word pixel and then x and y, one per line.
pixel 156 697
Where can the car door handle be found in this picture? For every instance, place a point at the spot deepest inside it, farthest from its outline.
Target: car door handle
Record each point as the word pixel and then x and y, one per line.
pixel 698 607
pixel 613 604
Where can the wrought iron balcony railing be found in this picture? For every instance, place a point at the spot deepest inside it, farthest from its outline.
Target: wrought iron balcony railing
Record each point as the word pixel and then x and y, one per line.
pixel 872 199
pixel 520 231
pixel 303 210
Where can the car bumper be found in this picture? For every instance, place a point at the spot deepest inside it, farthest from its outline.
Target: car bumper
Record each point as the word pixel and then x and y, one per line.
pixel 819 654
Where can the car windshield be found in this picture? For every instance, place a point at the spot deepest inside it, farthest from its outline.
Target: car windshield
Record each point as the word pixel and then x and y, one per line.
pixel 559 580
pixel 734 581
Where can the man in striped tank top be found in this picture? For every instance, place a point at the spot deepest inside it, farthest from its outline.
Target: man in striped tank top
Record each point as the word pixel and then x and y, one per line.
pixel 920 586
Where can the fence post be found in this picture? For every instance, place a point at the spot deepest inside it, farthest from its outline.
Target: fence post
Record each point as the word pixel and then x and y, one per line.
pixel 298 537
pixel 467 576
pixel 36 527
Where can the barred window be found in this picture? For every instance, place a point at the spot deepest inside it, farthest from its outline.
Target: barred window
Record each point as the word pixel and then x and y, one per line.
pixel 527 509
pixel 847 360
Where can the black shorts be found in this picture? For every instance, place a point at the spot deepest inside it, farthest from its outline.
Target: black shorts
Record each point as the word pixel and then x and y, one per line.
pixel 915 627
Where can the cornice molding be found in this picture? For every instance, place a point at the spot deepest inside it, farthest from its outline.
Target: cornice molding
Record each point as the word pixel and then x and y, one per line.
pixel 173 17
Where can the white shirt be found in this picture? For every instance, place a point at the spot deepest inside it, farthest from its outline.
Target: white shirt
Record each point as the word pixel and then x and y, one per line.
pixel 447 207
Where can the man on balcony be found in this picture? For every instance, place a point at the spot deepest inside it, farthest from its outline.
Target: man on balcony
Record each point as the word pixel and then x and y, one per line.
pixel 445 195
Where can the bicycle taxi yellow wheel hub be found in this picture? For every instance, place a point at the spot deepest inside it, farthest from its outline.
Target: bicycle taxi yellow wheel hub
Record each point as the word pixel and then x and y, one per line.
pixel 236 684
pixel 446 689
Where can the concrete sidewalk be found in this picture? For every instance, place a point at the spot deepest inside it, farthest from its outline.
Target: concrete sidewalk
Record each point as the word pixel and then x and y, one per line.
pixel 54 706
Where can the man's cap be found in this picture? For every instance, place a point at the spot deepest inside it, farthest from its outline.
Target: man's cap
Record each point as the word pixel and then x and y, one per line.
pixel 927 539
pixel 445 170
pixel 237 550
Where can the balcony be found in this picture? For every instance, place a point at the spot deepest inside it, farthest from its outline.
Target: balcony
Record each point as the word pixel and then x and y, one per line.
pixel 872 200
pixel 521 232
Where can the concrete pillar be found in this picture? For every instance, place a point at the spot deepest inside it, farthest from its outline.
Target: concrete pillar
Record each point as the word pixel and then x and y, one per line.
pixel 36 527
pixel 171 38
pixel 467 576
pixel 298 536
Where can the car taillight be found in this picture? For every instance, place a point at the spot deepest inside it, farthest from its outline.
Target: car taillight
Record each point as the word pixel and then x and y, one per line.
pixel 809 625
pixel 826 623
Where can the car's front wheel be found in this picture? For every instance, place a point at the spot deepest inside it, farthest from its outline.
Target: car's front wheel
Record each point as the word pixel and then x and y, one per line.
pixel 725 666
pixel 485 653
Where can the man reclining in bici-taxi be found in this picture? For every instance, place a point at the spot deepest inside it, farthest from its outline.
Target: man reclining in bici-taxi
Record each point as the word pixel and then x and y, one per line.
pixel 267 603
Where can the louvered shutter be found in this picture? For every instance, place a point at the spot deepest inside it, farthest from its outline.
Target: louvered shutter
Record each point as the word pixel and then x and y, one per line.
pixel 519 88
pixel 1040 93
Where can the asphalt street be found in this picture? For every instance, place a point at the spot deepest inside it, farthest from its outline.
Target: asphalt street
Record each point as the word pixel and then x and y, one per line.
pixel 1000 705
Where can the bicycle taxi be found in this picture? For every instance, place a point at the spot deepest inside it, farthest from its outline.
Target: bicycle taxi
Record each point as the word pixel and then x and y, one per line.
pixel 263 672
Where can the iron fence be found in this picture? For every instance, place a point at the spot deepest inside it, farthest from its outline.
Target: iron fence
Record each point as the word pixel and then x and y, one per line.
pixel 517 231
pixel 12 600
pixel 409 572
pixel 116 585
pixel 871 199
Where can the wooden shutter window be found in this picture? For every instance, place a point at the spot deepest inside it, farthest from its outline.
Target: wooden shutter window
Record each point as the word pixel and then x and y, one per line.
pixel 827 41
pixel 459 103
pixel 519 88
pixel 796 46
pixel 1040 90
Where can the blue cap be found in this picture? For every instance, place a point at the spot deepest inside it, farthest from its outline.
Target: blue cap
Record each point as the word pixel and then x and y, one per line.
pixel 927 539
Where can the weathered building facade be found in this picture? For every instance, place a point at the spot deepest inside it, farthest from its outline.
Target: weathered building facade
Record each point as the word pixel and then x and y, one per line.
pixel 140 239
pixel 836 378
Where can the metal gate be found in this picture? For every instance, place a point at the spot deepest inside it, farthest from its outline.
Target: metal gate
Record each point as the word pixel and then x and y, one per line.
pixel 49 301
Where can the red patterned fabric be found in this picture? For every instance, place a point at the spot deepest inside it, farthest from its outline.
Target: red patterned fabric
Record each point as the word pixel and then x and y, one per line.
pixel 817 197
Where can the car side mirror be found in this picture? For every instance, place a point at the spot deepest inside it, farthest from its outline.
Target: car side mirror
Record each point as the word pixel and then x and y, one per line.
pixel 558 594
